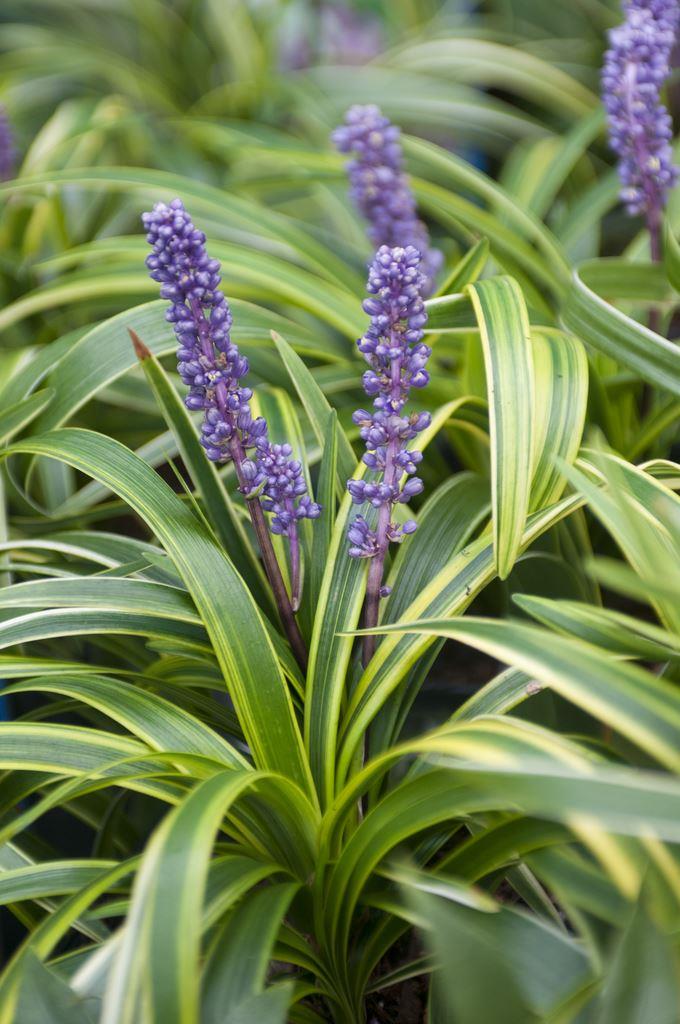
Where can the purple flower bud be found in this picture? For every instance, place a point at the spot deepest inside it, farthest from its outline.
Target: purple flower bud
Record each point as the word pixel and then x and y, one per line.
pixel 357 488
pixel 361 416
pixel 380 188
pixel 308 509
pixel 363 540
pixel 410 489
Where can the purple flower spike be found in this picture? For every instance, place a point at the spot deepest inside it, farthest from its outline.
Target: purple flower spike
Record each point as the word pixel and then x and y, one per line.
pixel 212 367
pixel 380 188
pixel 394 350
pixel 209 362
pixel 640 131
pixel 7 149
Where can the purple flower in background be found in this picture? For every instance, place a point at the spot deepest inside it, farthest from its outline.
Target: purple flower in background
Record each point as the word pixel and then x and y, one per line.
pixel 212 367
pixel 7 149
pixel 380 187
pixel 337 34
pixel 349 36
pixel 635 69
pixel 394 350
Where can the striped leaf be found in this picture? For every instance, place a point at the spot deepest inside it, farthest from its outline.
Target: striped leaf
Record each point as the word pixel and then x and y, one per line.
pixel 609 331
pixel 239 638
pixel 504 329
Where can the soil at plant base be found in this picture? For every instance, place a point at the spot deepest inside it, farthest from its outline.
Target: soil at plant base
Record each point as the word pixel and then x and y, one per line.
pixel 405 1002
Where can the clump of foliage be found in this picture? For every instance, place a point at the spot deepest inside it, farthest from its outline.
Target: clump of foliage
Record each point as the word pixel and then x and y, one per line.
pixel 319 712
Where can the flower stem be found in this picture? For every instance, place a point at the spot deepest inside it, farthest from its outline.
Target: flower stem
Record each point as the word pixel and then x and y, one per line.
pixel 372 602
pixel 654 317
pixel 377 569
pixel 269 559
pixel 294 542
pixel 654 228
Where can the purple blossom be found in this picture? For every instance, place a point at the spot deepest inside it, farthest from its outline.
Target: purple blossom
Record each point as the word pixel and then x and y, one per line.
pixel 340 35
pixel 397 357
pixel 278 478
pixel 208 361
pixel 380 188
pixel 640 130
pixel 349 36
pixel 283 487
pixel 7 149
pixel 212 367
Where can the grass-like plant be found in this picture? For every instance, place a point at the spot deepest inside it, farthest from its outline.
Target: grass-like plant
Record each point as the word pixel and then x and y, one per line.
pixel 229 793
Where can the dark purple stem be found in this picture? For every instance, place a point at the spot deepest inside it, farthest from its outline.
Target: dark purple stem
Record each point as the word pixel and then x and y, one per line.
pixel 294 559
pixel 654 228
pixel 375 575
pixel 654 317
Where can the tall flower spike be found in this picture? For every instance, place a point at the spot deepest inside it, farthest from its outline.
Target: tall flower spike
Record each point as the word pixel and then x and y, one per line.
pixel 640 131
pixel 394 350
pixel 7 149
pixel 212 367
pixel 209 362
pixel 380 188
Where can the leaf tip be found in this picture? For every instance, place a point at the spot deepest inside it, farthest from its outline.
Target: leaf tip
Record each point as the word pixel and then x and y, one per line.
pixel 141 350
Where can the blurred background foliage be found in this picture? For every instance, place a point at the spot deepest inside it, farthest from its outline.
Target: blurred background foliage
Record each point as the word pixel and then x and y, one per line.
pixel 227 98
pixel 242 97
pixel 229 104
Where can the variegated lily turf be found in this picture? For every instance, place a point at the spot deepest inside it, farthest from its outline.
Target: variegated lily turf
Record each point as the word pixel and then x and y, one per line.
pixel 316 713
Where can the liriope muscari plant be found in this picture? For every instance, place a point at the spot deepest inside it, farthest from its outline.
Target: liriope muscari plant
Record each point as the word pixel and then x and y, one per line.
pixel 640 130
pixel 212 367
pixel 281 845
pixel 394 349
pixel 380 188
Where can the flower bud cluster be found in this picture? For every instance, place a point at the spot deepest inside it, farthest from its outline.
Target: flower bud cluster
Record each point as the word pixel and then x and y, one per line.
pixel 397 358
pixel 640 130
pixel 212 367
pixel 284 491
